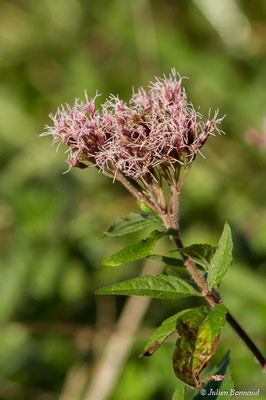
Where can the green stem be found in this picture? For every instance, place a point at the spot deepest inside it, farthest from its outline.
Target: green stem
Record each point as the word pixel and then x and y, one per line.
pixel 136 193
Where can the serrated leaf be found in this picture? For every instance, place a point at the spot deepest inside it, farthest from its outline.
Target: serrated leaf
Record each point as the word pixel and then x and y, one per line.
pixel 221 260
pixel 180 391
pixel 131 223
pixel 136 251
pixel 218 390
pixel 168 260
pixel 161 334
pixel 157 287
pixel 198 331
pixel 199 253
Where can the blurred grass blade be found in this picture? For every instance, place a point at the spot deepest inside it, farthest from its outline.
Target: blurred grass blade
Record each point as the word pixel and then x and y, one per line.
pixel 161 334
pixel 221 260
pixel 157 287
pixel 180 391
pixel 137 251
pixel 213 386
pixel 131 223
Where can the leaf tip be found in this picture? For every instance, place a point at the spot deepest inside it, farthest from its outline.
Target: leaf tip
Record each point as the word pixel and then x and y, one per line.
pixel 108 263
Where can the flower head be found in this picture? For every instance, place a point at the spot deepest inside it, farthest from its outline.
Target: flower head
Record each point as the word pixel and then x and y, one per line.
pixel 257 138
pixel 158 128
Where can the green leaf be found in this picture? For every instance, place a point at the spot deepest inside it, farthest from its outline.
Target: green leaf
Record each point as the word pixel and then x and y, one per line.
pixel 199 253
pixel 131 223
pixel 198 330
pixel 180 391
pixel 215 388
pixel 161 334
pixel 168 260
pixel 221 260
pixel 137 251
pixel 181 272
pixel 208 331
pixel 157 287
pixel 147 209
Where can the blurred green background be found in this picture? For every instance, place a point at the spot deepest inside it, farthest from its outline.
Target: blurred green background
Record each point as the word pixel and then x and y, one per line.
pixel 53 327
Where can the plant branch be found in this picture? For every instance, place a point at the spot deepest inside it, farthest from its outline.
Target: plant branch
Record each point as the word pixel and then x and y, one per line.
pixel 171 220
pixel 214 298
pixel 176 187
pixel 183 178
pixel 244 336
pixel 192 269
pixel 174 207
pixel 136 193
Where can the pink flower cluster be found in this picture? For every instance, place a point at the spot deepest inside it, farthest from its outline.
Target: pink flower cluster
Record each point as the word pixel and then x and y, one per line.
pixel 158 127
